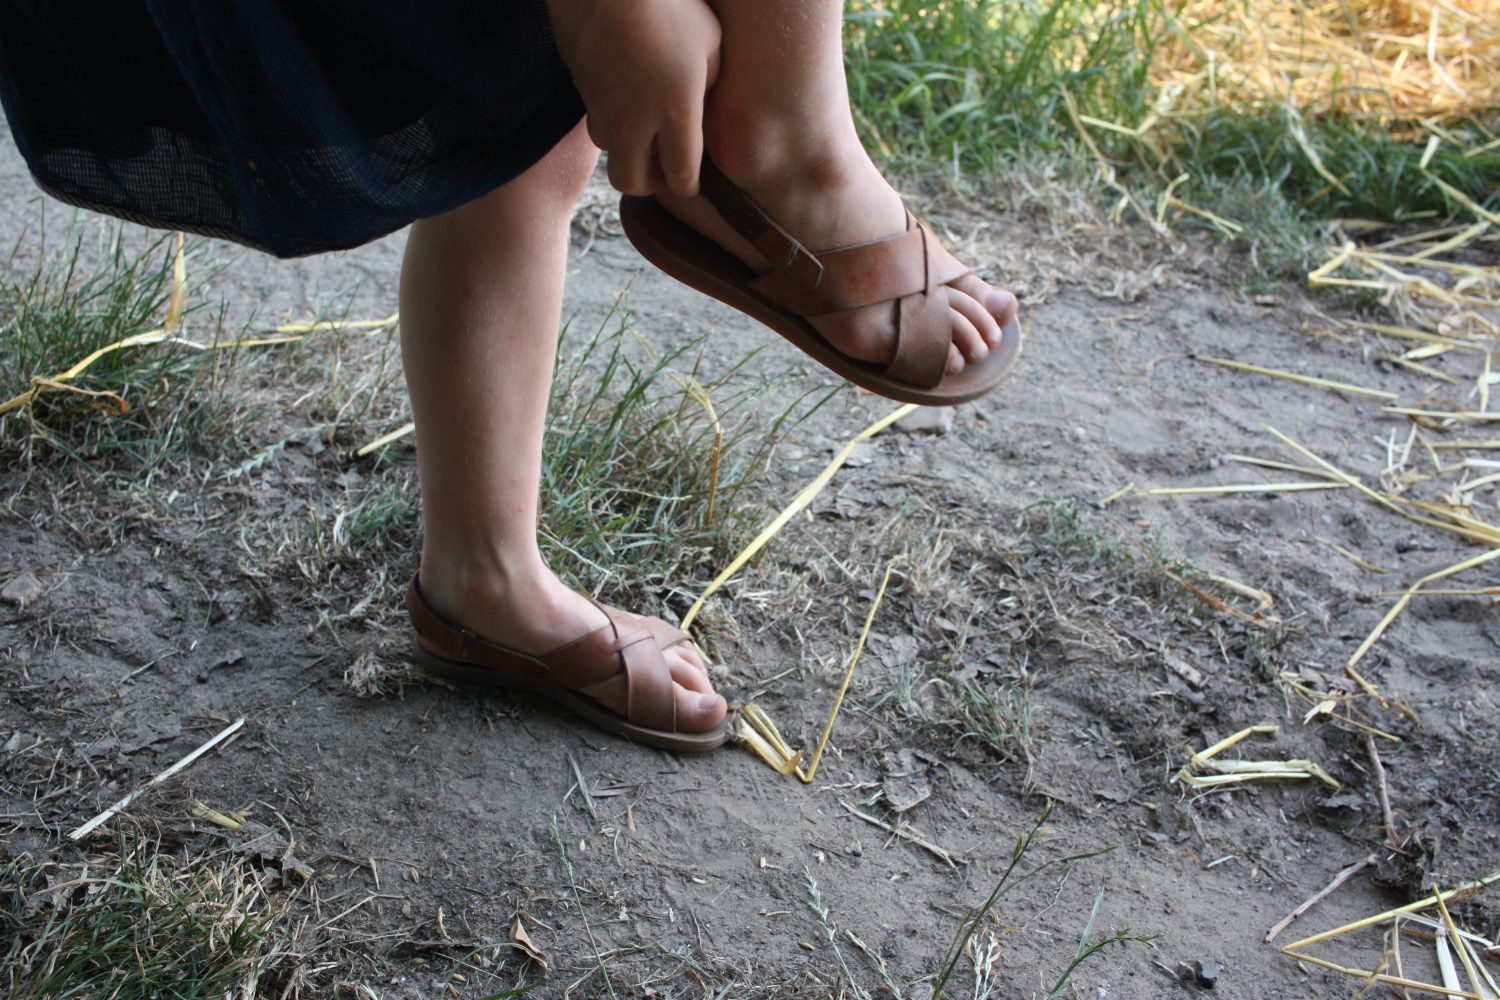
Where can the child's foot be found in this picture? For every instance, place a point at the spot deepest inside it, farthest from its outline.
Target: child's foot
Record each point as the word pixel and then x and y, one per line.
pixel 532 612
pixel 838 199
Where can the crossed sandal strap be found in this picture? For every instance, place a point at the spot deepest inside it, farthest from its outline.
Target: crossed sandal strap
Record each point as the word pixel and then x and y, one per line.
pixel 603 653
pixel 667 635
pixel 906 268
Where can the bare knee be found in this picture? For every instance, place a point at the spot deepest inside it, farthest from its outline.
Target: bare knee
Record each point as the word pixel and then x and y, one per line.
pixel 538 200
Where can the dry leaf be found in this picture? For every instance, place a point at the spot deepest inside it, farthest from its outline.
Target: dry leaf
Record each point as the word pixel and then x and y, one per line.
pixel 523 943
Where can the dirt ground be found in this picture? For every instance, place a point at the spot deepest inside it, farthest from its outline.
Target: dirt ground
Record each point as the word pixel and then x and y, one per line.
pixel 431 816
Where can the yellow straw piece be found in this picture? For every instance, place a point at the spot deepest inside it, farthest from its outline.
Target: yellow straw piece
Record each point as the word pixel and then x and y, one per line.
pixel 1268 463
pixel 179 290
pixel 1229 741
pixel 1474 531
pixel 1233 771
pixel 808 494
pixel 1447 896
pixel 1489 445
pixel 324 325
pixel 760 734
pixel 165 336
pixel 1466 416
pixel 1407 333
pixel 37 385
pixel 1458 940
pixel 1324 383
pixel 1421 369
pixel 385 439
pixel 1411 592
pixel 1354 557
pixel 1242 488
pixel 765 739
pixel 695 389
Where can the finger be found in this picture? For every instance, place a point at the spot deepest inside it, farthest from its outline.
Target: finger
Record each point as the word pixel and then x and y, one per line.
pixel 630 164
pixel 598 134
pixel 713 69
pixel 680 148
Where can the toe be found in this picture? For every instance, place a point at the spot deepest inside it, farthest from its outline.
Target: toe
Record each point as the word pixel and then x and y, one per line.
pixel 688 653
pixel 687 672
pixel 698 711
pixel 1002 305
pixel 978 328
pixel 955 360
pixel 698 706
pixel 998 304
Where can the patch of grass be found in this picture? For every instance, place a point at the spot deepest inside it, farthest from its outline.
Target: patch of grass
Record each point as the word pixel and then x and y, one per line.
pixel 1009 879
pixel 995 710
pixel 641 489
pixel 979 82
pixel 641 486
pixel 1281 243
pixel 383 516
pixel 1380 174
pixel 970 88
pixel 1065 527
pixel 134 405
pixel 138 923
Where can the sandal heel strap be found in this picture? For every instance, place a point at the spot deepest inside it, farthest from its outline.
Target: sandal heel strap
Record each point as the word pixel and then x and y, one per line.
pixel 789 257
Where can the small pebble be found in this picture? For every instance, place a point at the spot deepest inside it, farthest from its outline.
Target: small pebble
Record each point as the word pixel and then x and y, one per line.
pixel 927 420
pixel 21 590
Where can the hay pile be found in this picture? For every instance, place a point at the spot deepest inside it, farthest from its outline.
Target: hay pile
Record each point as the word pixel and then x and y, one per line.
pixel 1386 62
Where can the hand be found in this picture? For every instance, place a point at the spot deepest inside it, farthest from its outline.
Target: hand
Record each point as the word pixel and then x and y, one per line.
pixel 643 68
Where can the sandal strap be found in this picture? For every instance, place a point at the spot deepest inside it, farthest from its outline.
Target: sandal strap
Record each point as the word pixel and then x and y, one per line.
pixel 651 700
pixel 758 229
pixel 909 269
pixel 667 635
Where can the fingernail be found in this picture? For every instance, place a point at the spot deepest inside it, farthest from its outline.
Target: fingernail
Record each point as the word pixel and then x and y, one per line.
pixel 708 701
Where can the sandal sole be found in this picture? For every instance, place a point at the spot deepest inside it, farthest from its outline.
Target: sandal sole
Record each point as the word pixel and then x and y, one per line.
pixel 580 705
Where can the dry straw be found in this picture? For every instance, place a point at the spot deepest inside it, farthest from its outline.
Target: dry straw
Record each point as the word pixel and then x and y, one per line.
pixel 1447 936
pixel 1229 772
pixel 1381 60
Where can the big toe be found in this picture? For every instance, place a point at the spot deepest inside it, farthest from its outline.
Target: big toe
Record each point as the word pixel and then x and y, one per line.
pixel 699 707
pixel 698 711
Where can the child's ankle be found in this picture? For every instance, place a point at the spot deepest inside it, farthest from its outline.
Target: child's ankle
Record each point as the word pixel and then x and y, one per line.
pixel 769 154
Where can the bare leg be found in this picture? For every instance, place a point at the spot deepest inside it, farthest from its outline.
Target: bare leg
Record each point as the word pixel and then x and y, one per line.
pixel 778 124
pixel 481 302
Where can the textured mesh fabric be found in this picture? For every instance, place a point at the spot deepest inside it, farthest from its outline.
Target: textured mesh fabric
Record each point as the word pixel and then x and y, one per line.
pixel 293 126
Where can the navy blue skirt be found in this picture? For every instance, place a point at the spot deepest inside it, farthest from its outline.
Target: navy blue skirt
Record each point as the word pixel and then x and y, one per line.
pixel 292 126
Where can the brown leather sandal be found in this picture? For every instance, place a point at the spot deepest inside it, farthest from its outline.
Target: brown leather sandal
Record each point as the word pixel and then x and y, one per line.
pixel 451 651
pixel 906 269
